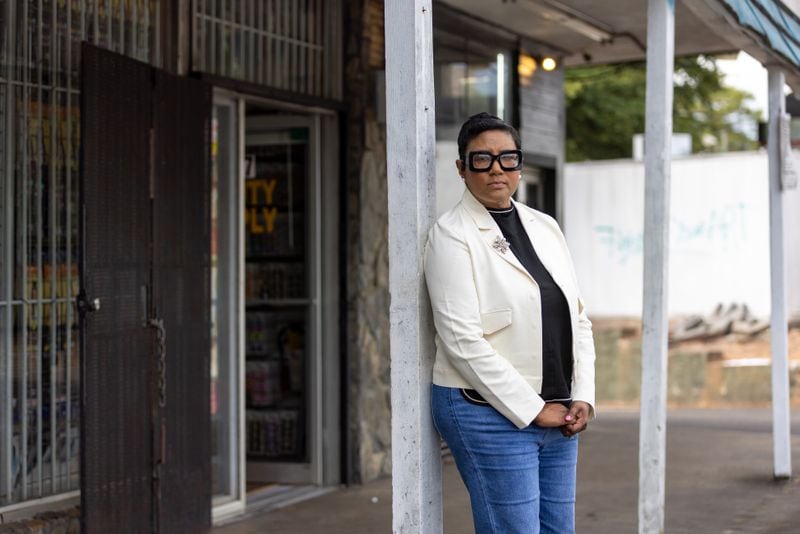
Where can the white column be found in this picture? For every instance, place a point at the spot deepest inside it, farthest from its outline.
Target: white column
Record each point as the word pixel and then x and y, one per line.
pixel 658 136
pixel 781 436
pixel 411 162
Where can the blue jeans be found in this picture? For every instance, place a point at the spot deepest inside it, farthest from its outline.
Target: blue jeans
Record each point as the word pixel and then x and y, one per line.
pixel 519 481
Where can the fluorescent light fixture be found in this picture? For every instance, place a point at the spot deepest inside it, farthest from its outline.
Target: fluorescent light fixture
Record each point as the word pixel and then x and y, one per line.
pixel 501 85
pixel 560 14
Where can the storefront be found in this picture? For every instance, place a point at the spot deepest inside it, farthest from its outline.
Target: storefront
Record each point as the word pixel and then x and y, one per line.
pixel 40 367
pixel 298 287
pixel 480 66
pixel 275 174
pixel 275 381
pixel 274 373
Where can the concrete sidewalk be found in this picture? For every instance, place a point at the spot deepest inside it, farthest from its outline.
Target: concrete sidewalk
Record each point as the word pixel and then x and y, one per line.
pixel 719 480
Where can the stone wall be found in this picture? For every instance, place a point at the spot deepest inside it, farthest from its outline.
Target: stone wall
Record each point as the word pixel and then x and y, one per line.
pixel 699 375
pixel 61 522
pixel 368 396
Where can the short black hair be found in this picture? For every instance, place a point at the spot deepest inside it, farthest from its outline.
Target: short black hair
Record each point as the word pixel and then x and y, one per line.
pixel 482 122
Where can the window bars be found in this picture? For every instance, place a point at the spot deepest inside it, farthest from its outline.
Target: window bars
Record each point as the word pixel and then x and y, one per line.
pixel 39 141
pixel 293 45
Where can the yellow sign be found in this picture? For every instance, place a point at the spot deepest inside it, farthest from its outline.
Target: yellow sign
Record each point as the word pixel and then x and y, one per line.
pixel 260 215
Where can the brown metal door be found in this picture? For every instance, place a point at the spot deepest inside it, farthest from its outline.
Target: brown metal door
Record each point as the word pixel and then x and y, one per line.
pixel 181 262
pixel 116 457
pixel 144 299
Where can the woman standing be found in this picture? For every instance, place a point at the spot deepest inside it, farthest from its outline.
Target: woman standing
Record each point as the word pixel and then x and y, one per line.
pixel 513 379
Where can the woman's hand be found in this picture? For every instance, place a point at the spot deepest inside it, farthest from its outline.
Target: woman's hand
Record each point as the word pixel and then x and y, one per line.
pixel 577 419
pixel 552 415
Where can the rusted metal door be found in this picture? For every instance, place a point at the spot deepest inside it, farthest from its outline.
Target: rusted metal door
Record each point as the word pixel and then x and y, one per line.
pixel 144 298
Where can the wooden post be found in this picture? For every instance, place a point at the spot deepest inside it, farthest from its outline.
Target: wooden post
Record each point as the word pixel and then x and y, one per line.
pixel 781 436
pixel 658 136
pixel 411 164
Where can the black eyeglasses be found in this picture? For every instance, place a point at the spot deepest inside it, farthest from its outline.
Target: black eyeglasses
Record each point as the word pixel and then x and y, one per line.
pixel 482 161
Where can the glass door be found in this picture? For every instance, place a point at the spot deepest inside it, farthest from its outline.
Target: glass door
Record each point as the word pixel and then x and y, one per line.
pixel 226 464
pixel 281 298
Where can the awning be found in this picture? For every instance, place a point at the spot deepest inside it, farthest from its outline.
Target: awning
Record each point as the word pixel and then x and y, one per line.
pixel 586 32
pixel 776 25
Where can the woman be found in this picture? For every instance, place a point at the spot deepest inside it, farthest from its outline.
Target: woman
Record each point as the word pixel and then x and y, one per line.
pixel 513 379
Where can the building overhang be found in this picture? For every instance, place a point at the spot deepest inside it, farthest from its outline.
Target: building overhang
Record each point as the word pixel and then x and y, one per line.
pixel 590 32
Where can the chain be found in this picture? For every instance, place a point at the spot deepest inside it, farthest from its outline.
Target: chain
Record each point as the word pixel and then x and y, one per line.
pixel 161 337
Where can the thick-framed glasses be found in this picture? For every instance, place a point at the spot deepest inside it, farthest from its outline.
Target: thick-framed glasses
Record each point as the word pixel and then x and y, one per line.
pixel 482 161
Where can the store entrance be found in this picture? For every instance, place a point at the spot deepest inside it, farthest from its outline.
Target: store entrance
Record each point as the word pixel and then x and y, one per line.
pixel 286 210
pixel 281 297
pixel 537 188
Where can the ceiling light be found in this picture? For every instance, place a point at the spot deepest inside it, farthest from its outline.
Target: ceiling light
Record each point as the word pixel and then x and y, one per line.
pixel 526 66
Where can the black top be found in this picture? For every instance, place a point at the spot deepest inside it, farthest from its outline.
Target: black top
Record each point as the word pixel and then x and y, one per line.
pixel 556 328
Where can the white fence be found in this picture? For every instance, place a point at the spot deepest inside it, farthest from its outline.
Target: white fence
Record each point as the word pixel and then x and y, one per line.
pixel 719 234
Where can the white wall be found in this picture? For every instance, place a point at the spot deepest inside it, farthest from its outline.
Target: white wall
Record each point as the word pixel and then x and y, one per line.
pixel 719 234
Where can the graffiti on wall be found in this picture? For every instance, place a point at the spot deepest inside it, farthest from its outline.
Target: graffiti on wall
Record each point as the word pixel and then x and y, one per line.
pixel 720 229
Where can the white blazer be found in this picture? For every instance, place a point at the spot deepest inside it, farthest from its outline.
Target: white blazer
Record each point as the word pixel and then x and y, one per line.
pixel 487 310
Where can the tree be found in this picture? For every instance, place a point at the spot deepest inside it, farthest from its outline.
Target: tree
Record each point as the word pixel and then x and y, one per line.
pixel 606 106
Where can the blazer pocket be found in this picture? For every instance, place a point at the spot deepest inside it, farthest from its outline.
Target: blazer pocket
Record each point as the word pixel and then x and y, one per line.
pixel 495 320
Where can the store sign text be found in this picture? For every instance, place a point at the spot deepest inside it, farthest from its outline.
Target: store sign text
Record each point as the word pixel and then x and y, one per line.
pixel 260 215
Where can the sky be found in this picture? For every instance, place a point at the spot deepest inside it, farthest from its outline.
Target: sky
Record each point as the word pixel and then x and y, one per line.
pixel 747 74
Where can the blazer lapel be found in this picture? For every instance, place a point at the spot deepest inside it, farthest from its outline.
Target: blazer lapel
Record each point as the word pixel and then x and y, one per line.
pixel 546 245
pixel 490 232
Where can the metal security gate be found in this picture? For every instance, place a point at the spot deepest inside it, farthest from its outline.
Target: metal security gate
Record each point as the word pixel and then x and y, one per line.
pixel 181 289
pixel 144 301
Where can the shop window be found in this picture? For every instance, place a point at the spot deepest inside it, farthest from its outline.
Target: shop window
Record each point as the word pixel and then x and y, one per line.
pixel 471 74
pixel 39 239
pixel 794 126
pixel 470 77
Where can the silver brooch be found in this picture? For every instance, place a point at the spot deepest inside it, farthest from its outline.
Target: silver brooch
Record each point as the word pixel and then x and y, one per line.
pixel 501 244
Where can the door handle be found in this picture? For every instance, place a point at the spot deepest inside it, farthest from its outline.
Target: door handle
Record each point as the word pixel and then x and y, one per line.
pixel 85 304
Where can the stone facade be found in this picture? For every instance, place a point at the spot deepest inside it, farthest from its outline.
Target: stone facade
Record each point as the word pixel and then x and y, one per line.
pixel 371 294
pixel 61 522
pixel 368 395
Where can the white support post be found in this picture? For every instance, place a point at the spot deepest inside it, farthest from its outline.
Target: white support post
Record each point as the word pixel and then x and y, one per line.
pixel 411 164
pixel 658 136
pixel 781 436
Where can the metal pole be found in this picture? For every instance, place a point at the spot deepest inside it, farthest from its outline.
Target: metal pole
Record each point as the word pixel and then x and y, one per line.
pixel 26 193
pixel 68 277
pixel 658 133
pixel 781 436
pixel 40 279
pixel 416 453
pixel 6 376
pixel 57 70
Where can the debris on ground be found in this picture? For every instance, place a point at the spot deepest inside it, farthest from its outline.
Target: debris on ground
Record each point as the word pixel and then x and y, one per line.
pixel 733 318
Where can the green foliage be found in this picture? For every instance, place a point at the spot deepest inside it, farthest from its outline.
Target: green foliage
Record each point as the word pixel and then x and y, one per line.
pixel 606 107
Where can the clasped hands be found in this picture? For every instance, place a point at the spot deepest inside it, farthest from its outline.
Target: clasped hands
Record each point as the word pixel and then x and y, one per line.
pixel 570 420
